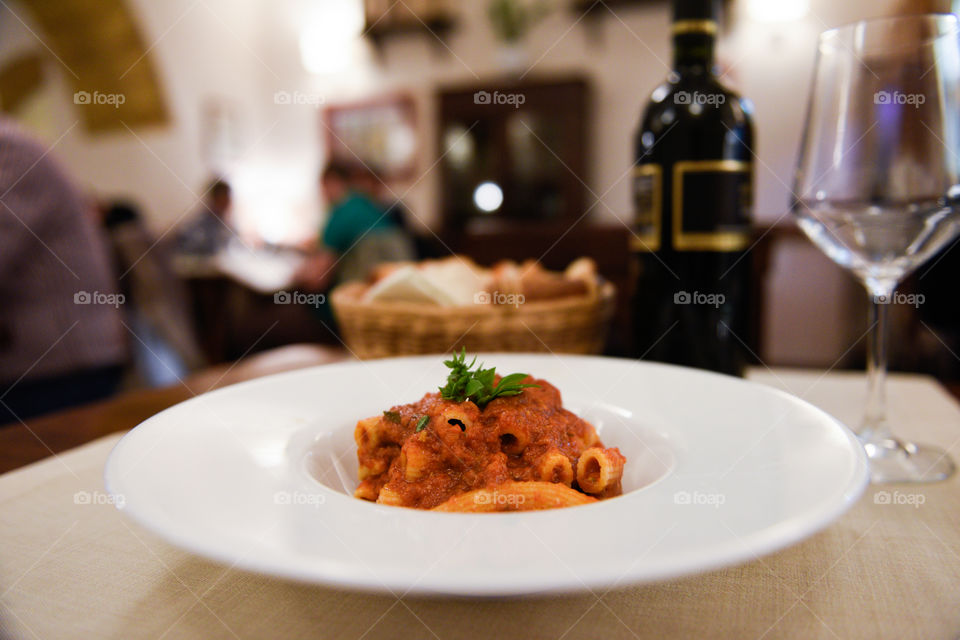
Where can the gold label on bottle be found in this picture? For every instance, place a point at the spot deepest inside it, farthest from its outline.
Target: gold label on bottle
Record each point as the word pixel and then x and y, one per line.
pixel 712 200
pixel 647 207
pixel 694 26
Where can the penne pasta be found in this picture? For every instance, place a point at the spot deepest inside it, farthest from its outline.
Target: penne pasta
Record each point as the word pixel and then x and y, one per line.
pixel 367 433
pixel 457 415
pixel 599 469
pixel 414 461
pixel 516 496
pixel 364 471
pixel 484 443
pixel 556 467
pixel 366 491
pixel 514 438
pixel 589 437
pixel 374 467
pixel 389 496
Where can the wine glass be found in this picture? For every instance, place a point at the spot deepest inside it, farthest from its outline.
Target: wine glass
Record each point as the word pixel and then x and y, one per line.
pixel 878 184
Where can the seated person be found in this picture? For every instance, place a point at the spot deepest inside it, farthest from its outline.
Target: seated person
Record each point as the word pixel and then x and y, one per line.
pixel 209 230
pixel 357 236
pixel 62 341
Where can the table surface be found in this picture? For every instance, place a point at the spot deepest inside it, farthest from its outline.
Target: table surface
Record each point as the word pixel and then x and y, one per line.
pixel 71 566
pixel 40 437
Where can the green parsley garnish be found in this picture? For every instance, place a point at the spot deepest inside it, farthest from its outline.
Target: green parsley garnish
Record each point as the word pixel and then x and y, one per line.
pixel 464 384
pixel 422 423
pixel 392 416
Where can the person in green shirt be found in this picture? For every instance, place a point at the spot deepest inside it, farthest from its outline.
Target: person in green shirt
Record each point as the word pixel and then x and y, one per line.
pixel 357 236
pixel 353 214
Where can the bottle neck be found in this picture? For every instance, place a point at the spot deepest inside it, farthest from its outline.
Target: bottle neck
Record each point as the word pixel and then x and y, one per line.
pixel 693 41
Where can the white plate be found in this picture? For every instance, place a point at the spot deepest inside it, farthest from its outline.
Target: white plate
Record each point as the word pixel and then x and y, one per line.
pixel 719 471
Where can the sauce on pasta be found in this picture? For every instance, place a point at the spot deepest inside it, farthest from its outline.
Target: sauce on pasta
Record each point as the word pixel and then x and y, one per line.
pixel 520 452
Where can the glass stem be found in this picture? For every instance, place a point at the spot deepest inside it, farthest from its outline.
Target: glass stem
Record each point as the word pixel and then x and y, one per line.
pixel 875 427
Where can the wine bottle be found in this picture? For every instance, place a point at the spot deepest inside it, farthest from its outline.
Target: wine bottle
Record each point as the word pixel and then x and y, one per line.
pixel 692 191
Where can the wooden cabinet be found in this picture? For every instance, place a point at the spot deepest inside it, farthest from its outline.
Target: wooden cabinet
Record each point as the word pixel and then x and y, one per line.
pixel 524 139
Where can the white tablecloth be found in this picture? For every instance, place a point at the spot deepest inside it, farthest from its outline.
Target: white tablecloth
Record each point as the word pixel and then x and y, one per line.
pixel 75 570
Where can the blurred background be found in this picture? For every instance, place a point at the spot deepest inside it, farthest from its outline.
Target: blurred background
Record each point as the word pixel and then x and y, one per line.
pixel 193 133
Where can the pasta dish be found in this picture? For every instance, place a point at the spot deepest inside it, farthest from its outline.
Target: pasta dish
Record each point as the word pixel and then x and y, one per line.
pixel 484 443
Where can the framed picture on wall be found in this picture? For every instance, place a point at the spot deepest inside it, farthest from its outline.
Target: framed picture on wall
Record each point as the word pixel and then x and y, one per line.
pixel 380 133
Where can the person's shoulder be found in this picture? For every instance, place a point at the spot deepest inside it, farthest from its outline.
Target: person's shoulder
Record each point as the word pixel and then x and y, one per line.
pixel 16 141
pixel 359 199
pixel 356 206
pixel 372 207
pixel 26 163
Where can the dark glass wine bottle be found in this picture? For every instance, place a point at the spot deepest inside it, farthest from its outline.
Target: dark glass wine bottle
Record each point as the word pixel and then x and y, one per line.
pixel 692 191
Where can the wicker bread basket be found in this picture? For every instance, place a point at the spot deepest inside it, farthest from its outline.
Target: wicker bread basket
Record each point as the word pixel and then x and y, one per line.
pixel 576 324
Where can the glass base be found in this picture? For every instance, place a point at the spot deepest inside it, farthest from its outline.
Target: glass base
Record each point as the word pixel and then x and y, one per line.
pixel 895 461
